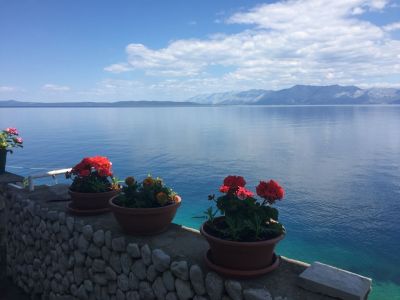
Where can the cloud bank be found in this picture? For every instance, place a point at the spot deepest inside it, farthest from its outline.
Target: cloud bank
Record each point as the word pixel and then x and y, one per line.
pixel 281 44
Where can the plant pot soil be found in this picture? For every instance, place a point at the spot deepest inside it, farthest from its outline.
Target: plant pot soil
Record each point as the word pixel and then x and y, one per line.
pixel 91 201
pixel 144 221
pixel 241 256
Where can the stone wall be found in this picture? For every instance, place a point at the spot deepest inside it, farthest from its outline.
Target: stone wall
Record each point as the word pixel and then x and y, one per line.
pixel 5 179
pixel 2 236
pixel 54 255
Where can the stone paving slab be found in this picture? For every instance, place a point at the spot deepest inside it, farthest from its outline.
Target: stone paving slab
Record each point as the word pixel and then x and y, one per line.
pixel 328 280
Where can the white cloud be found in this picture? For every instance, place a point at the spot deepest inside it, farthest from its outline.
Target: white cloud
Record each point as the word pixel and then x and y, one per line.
pixel 289 42
pixel 6 88
pixel 392 26
pixel 55 87
pixel 118 68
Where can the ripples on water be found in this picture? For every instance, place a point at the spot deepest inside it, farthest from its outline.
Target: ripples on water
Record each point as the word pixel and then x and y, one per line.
pixel 340 166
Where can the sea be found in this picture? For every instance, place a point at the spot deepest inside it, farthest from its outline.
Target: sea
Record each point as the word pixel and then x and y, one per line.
pixel 339 165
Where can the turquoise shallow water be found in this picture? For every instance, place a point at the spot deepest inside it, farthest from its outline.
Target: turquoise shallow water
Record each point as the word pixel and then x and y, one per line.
pixel 340 166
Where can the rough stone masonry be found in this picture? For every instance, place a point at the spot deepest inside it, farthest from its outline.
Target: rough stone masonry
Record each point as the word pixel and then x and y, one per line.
pixel 53 255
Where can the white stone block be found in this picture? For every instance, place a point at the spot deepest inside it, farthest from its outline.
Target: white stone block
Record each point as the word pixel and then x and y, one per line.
pixel 335 282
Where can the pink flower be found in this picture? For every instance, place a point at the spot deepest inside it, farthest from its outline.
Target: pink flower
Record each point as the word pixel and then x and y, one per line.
pixel 18 140
pixel 12 130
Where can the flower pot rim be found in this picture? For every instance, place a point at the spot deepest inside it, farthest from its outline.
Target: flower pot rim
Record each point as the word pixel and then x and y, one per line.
pixel 236 243
pixel 91 193
pixel 142 209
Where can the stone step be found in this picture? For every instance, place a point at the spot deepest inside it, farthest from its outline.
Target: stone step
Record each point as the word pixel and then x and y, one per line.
pixel 334 282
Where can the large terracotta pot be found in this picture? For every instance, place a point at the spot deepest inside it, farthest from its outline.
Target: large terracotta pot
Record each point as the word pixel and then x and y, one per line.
pixel 3 158
pixel 144 221
pixel 241 256
pixel 91 201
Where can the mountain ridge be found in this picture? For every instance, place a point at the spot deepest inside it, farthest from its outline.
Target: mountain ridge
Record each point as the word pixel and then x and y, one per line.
pixel 141 103
pixel 305 95
pixel 296 95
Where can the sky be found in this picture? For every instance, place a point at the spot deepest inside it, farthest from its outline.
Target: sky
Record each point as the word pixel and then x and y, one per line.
pixel 98 50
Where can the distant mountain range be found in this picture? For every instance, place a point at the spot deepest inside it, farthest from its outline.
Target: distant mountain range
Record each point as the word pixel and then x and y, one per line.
pixel 296 95
pixel 304 95
pixel 14 103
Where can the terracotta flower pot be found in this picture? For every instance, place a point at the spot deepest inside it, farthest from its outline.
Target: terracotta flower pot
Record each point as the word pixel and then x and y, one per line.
pixel 249 257
pixel 144 221
pixel 91 201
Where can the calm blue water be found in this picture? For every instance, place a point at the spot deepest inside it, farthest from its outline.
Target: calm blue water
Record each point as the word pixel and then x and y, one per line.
pixel 340 166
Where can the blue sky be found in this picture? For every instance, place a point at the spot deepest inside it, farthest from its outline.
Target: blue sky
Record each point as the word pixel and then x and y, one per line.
pixel 70 50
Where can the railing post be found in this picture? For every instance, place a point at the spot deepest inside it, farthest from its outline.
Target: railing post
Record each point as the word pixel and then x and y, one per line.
pixel 31 184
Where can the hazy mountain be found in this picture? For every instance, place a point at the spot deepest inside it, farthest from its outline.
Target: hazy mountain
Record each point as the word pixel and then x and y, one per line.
pixel 305 95
pixel 13 103
pixel 296 95
pixel 245 97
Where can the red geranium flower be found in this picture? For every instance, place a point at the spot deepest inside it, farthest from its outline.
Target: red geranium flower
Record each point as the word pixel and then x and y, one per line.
pixel 224 189
pixel 234 181
pixel 98 163
pixel 84 173
pixel 243 193
pixel 270 191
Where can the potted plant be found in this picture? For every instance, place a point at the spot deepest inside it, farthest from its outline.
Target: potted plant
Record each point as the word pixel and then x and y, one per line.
pixel 8 139
pixel 145 208
pixel 242 232
pixel 92 185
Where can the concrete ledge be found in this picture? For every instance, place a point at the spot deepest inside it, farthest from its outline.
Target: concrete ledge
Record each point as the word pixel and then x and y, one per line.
pixel 335 282
pixel 10 178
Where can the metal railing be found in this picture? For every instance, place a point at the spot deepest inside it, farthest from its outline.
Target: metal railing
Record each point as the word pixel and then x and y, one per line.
pixel 52 174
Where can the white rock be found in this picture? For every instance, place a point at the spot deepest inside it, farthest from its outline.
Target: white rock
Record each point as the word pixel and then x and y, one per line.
pixel 132 295
pixel 98 238
pixel 126 263
pixel 83 244
pixel 234 289
pixel 133 250
pixel 257 294
pixel 139 269
pixel 161 260
pixel 197 279
pixel 110 273
pixel 133 281
pixel 98 265
pixel 151 273
pixel 171 296
pixel 118 244
pixel 159 289
pixel 214 286
pixel 169 280
pixel 107 239
pixel 123 282
pixel 145 291
pixel 120 295
pixel 146 254
pixel 180 269
pixel 115 262
pixel 183 289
